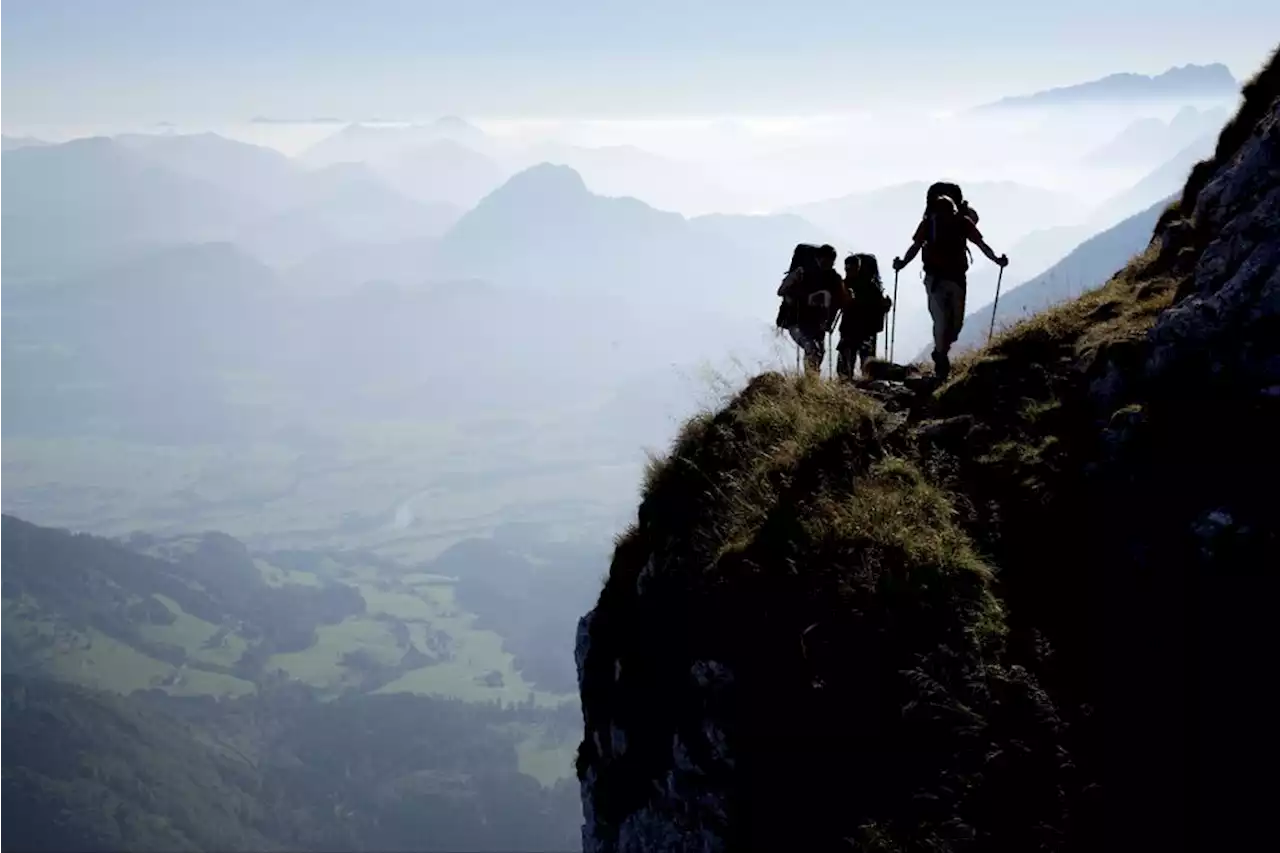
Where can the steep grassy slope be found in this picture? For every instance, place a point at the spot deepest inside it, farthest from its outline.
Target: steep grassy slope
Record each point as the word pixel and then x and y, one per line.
pixel 1025 611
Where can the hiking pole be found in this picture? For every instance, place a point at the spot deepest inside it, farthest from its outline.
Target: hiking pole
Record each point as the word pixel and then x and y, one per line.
pixel 893 323
pixel 831 352
pixel 994 305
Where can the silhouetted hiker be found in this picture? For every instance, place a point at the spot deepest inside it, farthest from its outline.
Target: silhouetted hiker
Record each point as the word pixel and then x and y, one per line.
pixel 809 294
pixel 944 233
pixel 863 310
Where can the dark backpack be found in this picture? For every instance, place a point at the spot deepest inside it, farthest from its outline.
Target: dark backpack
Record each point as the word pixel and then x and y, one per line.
pixel 946 250
pixel 804 256
pixel 953 192
pixel 866 288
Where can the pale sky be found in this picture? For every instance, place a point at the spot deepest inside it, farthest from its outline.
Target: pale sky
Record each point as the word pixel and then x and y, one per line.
pixel 138 61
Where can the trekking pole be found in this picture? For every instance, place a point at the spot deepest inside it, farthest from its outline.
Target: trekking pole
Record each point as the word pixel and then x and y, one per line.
pixel 994 305
pixel 893 323
pixel 831 351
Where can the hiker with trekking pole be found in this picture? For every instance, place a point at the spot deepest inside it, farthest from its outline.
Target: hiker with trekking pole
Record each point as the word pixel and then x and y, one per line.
pixel 949 224
pixel 810 292
pixel 862 314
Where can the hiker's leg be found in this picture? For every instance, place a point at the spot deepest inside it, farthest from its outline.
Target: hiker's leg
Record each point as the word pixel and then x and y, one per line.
pixel 816 351
pixel 844 367
pixel 866 350
pixel 812 348
pixel 937 311
pixel 957 311
pixel 946 325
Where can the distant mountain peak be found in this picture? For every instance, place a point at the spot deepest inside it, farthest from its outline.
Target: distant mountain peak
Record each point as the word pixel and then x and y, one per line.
pixel 1184 81
pixel 544 181
pixel 454 124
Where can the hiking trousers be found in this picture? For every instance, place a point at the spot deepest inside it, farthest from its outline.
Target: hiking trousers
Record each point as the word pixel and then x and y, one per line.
pixel 946 306
pixel 850 349
pixel 813 342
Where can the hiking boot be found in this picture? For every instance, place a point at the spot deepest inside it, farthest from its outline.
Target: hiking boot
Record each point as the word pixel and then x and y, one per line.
pixel 941 366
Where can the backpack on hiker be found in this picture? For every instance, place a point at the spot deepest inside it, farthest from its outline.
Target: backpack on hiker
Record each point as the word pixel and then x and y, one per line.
pixel 946 251
pixel 952 191
pixel 796 284
pixel 866 290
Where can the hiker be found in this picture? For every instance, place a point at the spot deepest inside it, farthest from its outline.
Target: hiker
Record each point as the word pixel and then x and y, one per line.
pixel 810 293
pixel 862 313
pixel 944 232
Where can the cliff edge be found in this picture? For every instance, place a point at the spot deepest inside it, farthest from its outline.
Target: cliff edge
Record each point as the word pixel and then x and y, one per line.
pixel 1028 610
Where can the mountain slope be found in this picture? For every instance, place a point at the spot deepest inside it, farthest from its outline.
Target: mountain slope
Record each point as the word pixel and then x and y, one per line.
pixel 344 204
pixel 13 143
pixel 543 230
pixel 1087 266
pixel 442 171
pixel 1150 139
pixel 371 142
pixel 87 770
pixel 1179 83
pixel 1162 182
pixel 625 170
pixel 1022 611
pixel 92 201
pixel 254 171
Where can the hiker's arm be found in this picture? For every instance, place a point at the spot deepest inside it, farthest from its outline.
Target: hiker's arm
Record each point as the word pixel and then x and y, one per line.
pixel 975 237
pixel 990 253
pixel 789 281
pixel 910 255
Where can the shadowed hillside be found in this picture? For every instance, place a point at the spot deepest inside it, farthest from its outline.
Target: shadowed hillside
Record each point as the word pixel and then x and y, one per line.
pixel 1023 611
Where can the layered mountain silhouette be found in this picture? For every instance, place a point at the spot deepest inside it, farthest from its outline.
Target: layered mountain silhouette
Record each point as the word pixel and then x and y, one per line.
pixel 1159 183
pixel 254 171
pixel 89 201
pixel 442 170
pixel 1151 139
pixel 77 205
pixel 371 142
pixel 1182 83
pixel 342 206
pixel 625 170
pixel 13 143
pixel 544 230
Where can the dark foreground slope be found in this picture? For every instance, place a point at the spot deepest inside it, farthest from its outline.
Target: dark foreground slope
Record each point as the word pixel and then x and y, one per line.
pixel 1028 611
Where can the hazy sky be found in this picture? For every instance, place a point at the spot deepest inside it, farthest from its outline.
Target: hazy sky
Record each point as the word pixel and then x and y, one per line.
pixel 75 61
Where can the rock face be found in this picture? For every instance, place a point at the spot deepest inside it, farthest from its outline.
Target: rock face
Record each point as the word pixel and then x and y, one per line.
pixel 1029 610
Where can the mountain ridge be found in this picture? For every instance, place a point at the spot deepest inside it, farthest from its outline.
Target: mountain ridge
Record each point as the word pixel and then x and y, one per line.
pixel 988 615
pixel 1179 82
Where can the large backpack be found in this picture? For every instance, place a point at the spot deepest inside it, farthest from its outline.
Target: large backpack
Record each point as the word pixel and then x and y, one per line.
pixel 870 305
pixel 803 257
pixel 946 250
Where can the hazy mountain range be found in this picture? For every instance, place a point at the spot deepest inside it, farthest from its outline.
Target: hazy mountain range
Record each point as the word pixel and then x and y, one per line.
pixel 1151 139
pixel 1183 83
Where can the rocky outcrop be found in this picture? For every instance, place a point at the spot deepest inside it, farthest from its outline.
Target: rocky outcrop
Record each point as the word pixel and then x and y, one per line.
pixel 1028 610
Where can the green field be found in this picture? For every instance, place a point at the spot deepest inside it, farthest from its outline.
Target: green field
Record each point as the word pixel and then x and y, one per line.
pixel 405 489
pixel 544 758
